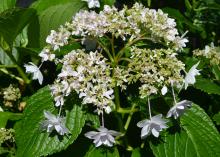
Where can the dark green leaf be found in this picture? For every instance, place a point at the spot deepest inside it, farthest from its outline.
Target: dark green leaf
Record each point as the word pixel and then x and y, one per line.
pixel 207 86
pixel 94 119
pixel 216 118
pixel 12 23
pixel 50 16
pixel 31 141
pixel 102 152
pixel 202 132
pixel 216 72
pixel 199 137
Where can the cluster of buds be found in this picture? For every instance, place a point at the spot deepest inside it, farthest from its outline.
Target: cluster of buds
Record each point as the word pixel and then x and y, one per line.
pixel 10 95
pixel 210 52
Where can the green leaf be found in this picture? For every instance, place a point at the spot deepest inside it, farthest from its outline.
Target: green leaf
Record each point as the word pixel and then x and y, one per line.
pixel 6 4
pixel 31 141
pixel 94 119
pixel 12 23
pixel 4 59
pixel 107 2
pixel 136 153
pixel 216 118
pixel 174 145
pixel 5 116
pixel 102 152
pixel 216 71
pixel 207 86
pixel 176 14
pixel 199 137
pixel 202 132
pixel 50 16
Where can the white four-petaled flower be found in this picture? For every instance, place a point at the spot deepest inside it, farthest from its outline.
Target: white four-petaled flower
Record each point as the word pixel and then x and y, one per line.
pixel 103 136
pixel 153 125
pixel 178 109
pixel 54 122
pixel 92 3
pixel 32 68
pixel 190 76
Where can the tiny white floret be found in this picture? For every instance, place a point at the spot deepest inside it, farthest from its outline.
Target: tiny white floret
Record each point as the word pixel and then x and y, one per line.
pixel 164 90
pixel 92 3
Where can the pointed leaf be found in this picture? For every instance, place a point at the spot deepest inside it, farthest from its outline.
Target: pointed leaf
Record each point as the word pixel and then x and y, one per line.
pixel 12 22
pixel 50 16
pixel 207 86
pixel 31 141
pixel 199 137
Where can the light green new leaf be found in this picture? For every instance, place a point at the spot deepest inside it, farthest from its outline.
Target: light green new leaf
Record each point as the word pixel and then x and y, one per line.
pixel 102 152
pixel 207 86
pixel 6 4
pixel 12 22
pixel 50 16
pixel 31 141
pixel 199 137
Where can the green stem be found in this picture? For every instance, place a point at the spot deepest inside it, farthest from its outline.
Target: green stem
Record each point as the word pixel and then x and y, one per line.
pixel 129 117
pixel 121 52
pixel 127 110
pixel 20 71
pixel 8 66
pixel 11 75
pixel 117 98
pixel 107 51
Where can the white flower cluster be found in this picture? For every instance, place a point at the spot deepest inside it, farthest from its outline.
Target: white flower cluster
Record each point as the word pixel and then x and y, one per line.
pixel 127 23
pixel 211 52
pixel 153 68
pixel 89 76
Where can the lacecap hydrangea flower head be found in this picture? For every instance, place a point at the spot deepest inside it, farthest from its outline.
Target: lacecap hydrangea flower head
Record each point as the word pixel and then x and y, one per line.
pixel 115 52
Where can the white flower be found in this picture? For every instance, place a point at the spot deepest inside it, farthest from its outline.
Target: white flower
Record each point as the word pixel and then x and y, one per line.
pixel 46 55
pixel 153 125
pixel 1 110
pixel 190 76
pixel 53 122
pixel 164 90
pixel 32 68
pixel 92 3
pixel 103 136
pixel 179 109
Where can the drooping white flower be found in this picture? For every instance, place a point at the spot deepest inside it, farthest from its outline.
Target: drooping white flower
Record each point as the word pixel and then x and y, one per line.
pixel 190 76
pixel 32 68
pixel 54 122
pixel 164 90
pixel 152 126
pixel 103 136
pixel 179 108
pixel 92 3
